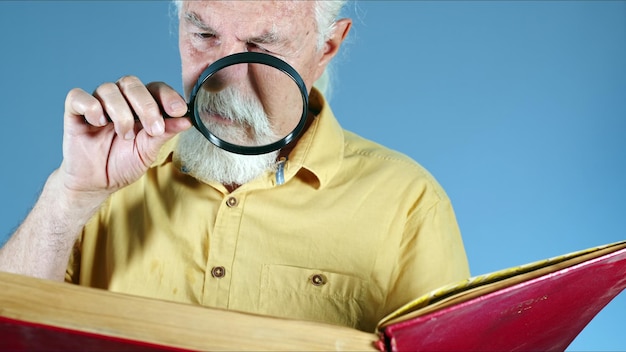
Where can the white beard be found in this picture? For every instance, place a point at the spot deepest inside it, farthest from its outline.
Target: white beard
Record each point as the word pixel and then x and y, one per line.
pixel 207 162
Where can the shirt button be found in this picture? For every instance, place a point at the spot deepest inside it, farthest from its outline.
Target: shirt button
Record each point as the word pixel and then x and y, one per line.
pixel 231 202
pixel 318 280
pixel 218 272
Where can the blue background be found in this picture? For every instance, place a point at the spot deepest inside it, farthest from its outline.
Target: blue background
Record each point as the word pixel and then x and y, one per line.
pixel 517 107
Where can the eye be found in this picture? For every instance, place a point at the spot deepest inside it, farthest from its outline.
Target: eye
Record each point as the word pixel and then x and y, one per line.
pixel 205 35
pixel 204 40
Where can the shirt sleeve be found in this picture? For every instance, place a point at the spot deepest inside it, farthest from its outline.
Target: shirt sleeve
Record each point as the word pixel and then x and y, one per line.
pixel 72 272
pixel 431 255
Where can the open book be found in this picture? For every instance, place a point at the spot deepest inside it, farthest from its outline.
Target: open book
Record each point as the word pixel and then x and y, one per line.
pixel 539 306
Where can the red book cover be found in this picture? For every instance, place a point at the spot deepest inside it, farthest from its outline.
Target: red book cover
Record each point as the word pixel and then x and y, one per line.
pixel 19 335
pixel 538 307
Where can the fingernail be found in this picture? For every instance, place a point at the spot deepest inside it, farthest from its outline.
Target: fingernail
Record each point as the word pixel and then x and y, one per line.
pixel 157 128
pixel 103 120
pixel 129 135
pixel 178 106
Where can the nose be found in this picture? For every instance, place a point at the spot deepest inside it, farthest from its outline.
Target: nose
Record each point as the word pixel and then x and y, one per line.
pixel 228 76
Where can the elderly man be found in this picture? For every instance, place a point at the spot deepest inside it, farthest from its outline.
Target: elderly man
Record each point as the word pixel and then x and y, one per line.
pixel 348 233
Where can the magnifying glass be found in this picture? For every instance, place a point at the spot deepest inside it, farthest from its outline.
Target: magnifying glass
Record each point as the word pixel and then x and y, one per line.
pixel 249 103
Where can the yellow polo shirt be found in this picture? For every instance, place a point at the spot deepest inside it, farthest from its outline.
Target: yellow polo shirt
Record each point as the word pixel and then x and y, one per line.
pixel 355 231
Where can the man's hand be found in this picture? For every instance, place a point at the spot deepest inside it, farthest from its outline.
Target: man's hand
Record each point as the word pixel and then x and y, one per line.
pixel 99 157
pixel 104 147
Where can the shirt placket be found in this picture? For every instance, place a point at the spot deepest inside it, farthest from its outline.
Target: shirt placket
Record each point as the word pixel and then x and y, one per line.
pixel 222 246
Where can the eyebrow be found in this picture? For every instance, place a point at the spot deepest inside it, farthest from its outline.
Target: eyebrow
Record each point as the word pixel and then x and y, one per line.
pixel 266 38
pixel 192 18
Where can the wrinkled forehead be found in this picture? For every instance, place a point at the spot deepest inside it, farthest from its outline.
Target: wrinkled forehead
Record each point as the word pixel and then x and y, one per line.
pixel 259 15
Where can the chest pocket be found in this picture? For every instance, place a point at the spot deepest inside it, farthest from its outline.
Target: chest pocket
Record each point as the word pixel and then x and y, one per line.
pixel 309 294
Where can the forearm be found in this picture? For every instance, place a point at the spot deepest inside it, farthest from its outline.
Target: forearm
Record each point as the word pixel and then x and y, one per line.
pixel 41 246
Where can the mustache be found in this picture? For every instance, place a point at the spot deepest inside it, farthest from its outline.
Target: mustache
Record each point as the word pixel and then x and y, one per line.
pixel 231 104
pixel 251 124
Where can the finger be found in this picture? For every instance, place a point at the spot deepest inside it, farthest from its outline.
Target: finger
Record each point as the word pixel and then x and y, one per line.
pixel 143 104
pixel 117 108
pixel 150 146
pixel 172 103
pixel 82 105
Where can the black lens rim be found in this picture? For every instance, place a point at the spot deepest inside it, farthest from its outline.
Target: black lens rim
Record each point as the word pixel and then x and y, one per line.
pixel 252 58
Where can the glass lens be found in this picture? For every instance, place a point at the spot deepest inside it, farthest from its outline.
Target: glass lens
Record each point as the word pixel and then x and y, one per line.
pixel 249 105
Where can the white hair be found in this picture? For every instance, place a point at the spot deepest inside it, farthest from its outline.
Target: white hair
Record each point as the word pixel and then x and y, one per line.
pixel 326 14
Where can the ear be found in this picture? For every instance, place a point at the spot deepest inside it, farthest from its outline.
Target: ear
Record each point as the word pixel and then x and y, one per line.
pixel 332 45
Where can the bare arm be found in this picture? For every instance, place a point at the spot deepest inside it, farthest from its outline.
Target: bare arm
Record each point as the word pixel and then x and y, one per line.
pixel 99 157
pixel 41 246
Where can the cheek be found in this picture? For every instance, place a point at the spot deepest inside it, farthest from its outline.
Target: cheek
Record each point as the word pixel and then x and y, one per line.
pixel 192 66
pixel 311 70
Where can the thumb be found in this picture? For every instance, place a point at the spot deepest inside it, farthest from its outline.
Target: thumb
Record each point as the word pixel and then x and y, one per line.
pixel 149 146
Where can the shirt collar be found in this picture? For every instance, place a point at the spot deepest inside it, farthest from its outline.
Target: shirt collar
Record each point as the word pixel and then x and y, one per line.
pixel 320 148
pixel 318 151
